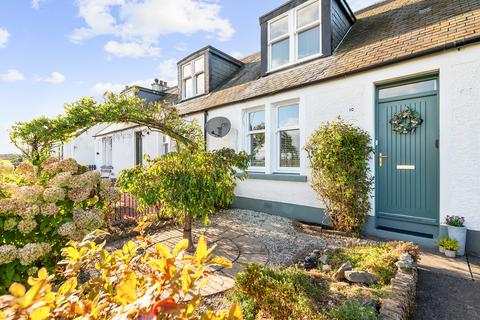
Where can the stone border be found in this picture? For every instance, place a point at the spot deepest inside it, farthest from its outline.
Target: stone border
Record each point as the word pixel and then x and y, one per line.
pixel 402 303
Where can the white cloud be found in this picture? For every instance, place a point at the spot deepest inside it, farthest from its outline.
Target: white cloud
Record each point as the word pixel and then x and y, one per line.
pixel 36 3
pixel 182 47
pixel 131 49
pixel 54 78
pixel 12 75
pixel 143 22
pixel 4 36
pixel 168 71
pixel 102 87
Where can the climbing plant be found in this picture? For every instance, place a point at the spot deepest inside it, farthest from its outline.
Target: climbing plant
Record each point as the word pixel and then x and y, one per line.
pixel 339 154
pixel 37 138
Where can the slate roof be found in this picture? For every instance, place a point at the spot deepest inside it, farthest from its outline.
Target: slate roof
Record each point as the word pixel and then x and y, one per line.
pixel 386 33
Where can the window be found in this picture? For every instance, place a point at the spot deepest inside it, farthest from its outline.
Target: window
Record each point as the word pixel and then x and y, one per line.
pixel 288 137
pixel 295 36
pixel 107 151
pixel 165 144
pixel 256 137
pixel 193 74
pixel 406 89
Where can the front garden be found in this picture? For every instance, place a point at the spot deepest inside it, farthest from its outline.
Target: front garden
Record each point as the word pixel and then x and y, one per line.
pixel 58 259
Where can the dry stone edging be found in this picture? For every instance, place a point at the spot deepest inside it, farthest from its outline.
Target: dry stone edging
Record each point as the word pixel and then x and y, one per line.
pixel 401 304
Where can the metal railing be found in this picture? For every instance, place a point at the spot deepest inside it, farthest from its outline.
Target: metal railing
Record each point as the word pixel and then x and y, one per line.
pixel 127 209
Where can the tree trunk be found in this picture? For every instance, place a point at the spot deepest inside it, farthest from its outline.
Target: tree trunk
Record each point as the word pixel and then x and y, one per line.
pixel 187 232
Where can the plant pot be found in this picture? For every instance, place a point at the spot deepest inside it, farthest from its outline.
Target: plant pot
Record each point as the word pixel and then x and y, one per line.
pixel 450 253
pixel 459 234
pixel 441 249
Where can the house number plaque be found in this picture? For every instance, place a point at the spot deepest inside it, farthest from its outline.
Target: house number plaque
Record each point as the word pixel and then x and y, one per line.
pixel 405 167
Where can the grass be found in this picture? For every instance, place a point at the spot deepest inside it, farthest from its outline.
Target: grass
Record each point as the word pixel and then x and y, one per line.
pixel 379 259
pixel 288 294
pixel 279 294
pixel 353 310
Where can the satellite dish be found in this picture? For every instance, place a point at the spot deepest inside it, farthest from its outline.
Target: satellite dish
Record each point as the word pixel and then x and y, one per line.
pixel 218 127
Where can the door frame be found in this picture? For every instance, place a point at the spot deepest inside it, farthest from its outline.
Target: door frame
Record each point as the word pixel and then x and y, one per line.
pixel 384 85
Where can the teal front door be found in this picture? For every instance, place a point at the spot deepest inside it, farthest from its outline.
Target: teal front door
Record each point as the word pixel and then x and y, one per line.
pixel 407 162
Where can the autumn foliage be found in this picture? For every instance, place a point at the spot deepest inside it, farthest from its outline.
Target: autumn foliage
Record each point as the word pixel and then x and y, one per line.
pixel 143 280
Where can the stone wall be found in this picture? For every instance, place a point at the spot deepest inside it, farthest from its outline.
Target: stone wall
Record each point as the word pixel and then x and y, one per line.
pixel 402 302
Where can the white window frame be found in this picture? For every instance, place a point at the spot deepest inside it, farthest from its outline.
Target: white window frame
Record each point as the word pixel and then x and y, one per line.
pixel 193 75
pixel 279 129
pixel 249 132
pixel 292 35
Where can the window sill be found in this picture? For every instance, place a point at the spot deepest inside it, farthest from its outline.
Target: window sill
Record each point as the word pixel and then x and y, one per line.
pixel 291 177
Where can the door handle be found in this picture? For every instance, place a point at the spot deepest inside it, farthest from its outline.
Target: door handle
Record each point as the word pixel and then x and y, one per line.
pixel 380 159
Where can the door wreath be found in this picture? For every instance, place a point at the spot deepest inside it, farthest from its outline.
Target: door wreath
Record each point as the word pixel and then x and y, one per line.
pixel 406 121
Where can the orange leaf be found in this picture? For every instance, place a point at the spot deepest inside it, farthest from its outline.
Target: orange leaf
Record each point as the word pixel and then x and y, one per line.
pixel 167 305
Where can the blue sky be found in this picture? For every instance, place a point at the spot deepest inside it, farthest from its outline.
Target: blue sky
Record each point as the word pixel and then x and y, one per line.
pixel 56 51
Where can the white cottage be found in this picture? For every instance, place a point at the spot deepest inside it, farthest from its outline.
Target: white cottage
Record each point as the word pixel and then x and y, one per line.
pixel 319 60
pixel 123 146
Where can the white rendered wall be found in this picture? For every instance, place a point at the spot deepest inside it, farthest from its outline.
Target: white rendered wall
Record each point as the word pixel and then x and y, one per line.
pixel 123 148
pixel 82 148
pixel 353 98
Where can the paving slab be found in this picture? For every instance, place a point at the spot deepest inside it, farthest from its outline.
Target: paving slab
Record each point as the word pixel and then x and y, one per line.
pixel 448 289
pixel 231 243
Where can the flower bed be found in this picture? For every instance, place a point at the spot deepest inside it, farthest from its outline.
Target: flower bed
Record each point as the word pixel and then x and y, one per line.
pixel 343 284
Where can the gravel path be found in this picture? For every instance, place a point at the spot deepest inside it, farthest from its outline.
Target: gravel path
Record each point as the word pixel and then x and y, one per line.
pixel 284 242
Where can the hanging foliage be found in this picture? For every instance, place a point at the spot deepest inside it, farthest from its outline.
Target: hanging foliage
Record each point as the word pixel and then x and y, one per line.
pixel 37 138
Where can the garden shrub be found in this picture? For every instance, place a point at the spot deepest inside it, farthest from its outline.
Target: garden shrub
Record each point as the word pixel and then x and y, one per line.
pixel 41 209
pixel 189 183
pixel 353 310
pixel 379 259
pixel 135 283
pixel 339 153
pixel 278 294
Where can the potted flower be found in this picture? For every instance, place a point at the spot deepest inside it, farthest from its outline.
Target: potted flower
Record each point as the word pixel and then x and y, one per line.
pixel 457 231
pixel 451 247
pixel 440 242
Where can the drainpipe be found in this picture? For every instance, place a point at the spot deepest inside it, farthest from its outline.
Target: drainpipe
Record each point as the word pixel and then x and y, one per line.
pixel 205 120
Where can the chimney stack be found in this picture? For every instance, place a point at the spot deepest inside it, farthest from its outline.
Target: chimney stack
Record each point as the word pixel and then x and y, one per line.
pixel 159 85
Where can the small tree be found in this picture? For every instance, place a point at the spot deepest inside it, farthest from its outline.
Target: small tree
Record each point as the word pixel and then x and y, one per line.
pixel 186 184
pixel 36 138
pixel 339 154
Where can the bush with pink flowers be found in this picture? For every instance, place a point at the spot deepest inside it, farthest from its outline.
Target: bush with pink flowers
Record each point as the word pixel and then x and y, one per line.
pixel 41 209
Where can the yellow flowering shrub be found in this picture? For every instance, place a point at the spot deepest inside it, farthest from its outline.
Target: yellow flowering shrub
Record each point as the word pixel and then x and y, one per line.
pixel 143 280
pixel 41 209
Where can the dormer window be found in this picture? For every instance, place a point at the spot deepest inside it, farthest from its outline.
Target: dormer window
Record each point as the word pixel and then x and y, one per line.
pixel 193 74
pixel 294 36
